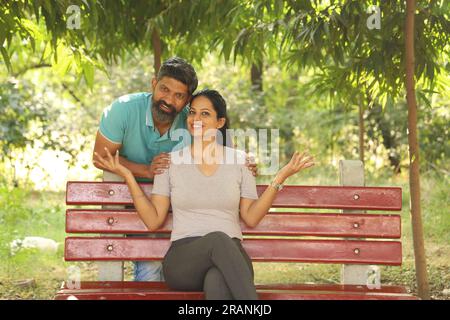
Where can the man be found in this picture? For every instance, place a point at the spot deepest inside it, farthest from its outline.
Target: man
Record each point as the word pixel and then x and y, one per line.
pixel 142 127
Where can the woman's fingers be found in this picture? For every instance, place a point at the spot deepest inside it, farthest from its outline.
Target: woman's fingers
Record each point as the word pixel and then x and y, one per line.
pixel 101 160
pixel 98 158
pixel 108 161
pixel 294 158
pixel 309 164
pixel 301 161
pixel 109 156
pixel 116 158
pixel 306 160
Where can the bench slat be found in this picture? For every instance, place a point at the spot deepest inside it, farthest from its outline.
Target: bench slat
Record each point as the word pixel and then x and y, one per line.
pixel 262 296
pixel 91 286
pixel 286 224
pixel 282 250
pixel 325 197
pixel 268 292
pixel 159 290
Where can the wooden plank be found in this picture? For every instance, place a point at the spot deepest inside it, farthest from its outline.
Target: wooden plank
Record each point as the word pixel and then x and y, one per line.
pixel 262 295
pixel 162 286
pixel 282 250
pixel 327 197
pixel 285 224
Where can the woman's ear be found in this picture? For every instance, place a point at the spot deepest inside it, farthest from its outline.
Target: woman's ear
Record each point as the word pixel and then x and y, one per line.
pixel 221 122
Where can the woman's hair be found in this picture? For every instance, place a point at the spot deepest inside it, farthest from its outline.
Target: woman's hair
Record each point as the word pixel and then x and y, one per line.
pixel 220 106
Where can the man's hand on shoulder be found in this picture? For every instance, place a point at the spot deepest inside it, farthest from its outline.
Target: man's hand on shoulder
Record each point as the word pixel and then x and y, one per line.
pixel 251 164
pixel 159 164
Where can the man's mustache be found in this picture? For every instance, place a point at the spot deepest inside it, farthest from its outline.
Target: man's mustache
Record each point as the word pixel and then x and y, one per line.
pixel 171 107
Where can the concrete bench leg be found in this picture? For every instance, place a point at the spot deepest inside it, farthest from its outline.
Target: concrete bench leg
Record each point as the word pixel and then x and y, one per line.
pixel 351 173
pixel 110 270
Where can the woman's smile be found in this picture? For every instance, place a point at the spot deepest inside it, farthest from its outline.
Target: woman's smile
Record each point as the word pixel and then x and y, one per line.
pixel 197 125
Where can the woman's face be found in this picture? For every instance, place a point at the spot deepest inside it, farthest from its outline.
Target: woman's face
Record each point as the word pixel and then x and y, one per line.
pixel 202 118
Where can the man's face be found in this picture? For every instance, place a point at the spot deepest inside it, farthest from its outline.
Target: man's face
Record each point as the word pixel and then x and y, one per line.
pixel 169 98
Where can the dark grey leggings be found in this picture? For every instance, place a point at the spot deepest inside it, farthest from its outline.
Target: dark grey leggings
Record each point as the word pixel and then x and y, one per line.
pixel 214 263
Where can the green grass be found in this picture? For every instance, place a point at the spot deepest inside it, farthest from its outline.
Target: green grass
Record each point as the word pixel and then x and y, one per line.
pixel 27 213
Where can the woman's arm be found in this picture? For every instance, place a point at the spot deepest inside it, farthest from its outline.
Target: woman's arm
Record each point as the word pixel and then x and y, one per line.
pixel 154 212
pixel 252 211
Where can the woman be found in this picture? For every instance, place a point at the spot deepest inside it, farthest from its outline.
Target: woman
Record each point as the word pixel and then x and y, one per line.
pixel 209 194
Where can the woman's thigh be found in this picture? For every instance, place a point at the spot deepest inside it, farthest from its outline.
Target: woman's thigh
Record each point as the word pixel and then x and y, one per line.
pixel 186 264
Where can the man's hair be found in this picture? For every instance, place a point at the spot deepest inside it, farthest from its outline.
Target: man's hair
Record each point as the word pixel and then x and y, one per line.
pixel 180 70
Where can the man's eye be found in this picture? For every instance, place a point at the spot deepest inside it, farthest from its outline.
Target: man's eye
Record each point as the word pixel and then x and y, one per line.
pixel 179 96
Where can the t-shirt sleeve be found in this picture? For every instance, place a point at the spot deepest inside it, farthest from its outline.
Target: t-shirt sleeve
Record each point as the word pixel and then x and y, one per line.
pixel 113 122
pixel 248 184
pixel 161 184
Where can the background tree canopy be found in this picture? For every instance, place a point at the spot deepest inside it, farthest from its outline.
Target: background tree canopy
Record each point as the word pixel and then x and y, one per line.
pixel 319 60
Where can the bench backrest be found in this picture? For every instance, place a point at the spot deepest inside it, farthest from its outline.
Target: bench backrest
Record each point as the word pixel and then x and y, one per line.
pixel 281 236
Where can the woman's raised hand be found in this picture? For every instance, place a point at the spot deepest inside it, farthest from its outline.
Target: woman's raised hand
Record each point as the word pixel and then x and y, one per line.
pixel 298 162
pixel 111 163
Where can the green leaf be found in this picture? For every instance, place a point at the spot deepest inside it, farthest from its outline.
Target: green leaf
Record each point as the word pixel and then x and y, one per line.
pixel 32 28
pixel 65 60
pixel 88 72
pixel 227 46
pixel 6 58
pixel 423 98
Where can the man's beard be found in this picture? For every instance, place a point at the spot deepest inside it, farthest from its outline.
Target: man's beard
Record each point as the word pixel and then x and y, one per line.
pixel 161 115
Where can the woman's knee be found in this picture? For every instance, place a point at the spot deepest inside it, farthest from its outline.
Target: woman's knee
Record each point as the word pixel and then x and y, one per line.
pixel 214 276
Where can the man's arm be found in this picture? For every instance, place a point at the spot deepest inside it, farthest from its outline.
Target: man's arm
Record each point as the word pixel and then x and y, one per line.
pixel 138 170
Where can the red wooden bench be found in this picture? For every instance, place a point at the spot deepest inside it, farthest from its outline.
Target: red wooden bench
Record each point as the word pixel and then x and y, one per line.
pixel 344 238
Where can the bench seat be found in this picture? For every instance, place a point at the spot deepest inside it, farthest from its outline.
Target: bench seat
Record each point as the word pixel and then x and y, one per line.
pixel 129 290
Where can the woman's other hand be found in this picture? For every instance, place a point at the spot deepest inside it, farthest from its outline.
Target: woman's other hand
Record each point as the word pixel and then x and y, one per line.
pixel 298 162
pixel 111 163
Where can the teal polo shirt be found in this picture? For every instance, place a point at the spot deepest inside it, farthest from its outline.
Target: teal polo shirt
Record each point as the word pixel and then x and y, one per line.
pixel 129 121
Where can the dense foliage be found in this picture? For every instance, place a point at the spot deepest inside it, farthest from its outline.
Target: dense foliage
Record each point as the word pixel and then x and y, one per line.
pixel 318 63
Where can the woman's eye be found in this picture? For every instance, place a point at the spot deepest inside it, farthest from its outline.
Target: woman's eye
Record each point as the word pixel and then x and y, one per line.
pixel 205 114
pixel 191 112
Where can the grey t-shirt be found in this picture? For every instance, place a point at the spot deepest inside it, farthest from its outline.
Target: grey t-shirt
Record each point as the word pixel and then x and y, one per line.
pixel 202 204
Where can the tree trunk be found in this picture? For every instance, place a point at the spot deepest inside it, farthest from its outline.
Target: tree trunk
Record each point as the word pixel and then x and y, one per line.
pixel 361 129
pixel 256 76
pixel 156 43
pixel 414 174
